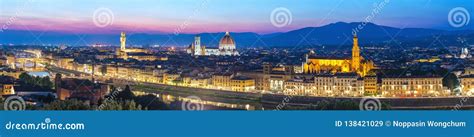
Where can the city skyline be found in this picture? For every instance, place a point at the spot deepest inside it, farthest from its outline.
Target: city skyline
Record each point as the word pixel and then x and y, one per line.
pixel 219 16
pixel 95 67
pixel 293 49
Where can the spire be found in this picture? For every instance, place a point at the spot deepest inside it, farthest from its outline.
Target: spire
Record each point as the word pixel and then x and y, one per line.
pixel 355 54
pixel 355 43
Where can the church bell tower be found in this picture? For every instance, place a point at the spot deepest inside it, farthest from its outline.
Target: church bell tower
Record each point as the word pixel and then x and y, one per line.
pixel 355 54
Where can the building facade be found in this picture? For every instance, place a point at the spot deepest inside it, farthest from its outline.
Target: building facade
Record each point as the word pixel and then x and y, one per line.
pixel 242 84
pixel 135 53
pixel 467 85
pixel 371 87
pixel 413 87
pixel 226 47
pixel 328 85
pixel 318 64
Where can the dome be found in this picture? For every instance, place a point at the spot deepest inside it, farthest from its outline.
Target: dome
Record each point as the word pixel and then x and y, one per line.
pixel 227 40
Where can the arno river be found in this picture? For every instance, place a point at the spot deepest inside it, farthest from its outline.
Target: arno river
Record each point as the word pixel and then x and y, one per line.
pixel 177 102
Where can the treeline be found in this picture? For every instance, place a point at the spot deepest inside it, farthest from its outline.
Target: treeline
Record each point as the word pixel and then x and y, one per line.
pixel 116 100
pixel 43 82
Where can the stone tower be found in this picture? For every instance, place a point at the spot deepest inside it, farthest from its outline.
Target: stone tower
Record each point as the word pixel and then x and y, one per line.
pixel 355 54
pixel 123 39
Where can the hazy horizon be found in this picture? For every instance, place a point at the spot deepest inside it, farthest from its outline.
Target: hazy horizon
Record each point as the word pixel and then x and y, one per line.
pixel 209 16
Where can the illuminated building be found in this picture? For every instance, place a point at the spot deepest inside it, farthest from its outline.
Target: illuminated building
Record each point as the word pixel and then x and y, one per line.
pixel 196 49
pixel 7 89
pixel 80 89
pixel 101 56
pixel 370 85
pixel 222 81
pixel 111 71
pixel 139 74
pixel 271 78
pixel 146 57
pixel 467 85
pixel 30 64
pixel 143 75
pixel 99 70
pixel 226 47
pixel 317 64
pixel 123 72
pixel 65 62
pixel 196 82
pixel 412 86
pixel 302 87
pixel 170 78
pixel 29 60
pixel 339 85
pixel 467 82
pixel 6 85
pixel 468 71
pixel 11 72
pixel 135 53
pixel 122 51
pixel 242 84
pixel 11 61
pixel 227 81
pixel 465 53
pixel 430 60
pixel 3 60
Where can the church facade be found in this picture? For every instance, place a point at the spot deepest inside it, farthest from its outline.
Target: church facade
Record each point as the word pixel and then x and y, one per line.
pixel 226 47
pixel 317 64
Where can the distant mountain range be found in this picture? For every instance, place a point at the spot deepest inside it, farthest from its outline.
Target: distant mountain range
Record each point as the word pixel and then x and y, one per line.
pixel 339 33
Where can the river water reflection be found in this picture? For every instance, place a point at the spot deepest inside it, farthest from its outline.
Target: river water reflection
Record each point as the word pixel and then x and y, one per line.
pixel 177 102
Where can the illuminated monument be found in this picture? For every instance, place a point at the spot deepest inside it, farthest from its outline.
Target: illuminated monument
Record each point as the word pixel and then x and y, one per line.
pixel 125 53
pixel 317 64
pixel 226 47
pixel 123 40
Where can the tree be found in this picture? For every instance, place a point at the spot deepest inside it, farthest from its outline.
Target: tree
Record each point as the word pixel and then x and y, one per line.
pixel 451 81
pixel 26 78
pixel 1 103
pixel 131 105
pixel 43 82
pixel 111 105
pixel 46 99
pixel 126 94
pixel 151 102
pixel 72 104
pixel 120 105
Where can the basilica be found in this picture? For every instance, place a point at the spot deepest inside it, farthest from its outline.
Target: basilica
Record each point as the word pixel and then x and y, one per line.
pixel 226 47
pixel 318 64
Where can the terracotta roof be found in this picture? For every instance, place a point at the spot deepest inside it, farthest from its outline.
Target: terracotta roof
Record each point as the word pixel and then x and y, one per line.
pixel 227 39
